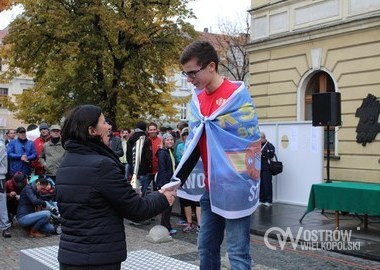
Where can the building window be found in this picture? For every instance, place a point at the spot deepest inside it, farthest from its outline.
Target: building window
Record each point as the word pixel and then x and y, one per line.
pixel 183 82
pixel 183 111
pixel 320 82
pixel 3 94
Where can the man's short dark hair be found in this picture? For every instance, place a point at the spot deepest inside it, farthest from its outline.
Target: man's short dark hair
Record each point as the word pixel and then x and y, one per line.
pixel 153 124
pixel 181 125
pixel 203 51
pixel 42 180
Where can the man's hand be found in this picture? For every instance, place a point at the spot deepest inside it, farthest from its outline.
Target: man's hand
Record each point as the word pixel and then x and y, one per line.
pixel 170 195
pixel 24 158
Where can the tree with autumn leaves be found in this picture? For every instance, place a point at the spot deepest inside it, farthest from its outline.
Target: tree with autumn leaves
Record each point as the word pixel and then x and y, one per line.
pixel 5 4
pixel 112 53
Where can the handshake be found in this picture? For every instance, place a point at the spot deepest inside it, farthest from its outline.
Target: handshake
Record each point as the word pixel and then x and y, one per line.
pixel 170 190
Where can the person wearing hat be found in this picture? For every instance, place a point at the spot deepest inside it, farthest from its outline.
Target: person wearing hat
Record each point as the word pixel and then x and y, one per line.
pixel 166 168
pixel 20 153
pixel 38 143
pixel 52 152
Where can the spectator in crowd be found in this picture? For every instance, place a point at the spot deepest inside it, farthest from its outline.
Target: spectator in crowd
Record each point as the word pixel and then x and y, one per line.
pixel 33 213
pixel 181 125
pixel 9 135
pixel 166 167
pixel 224 211
pixel 187 205
pixel 115 141
pixel 13 188
pixel 92 197
pixel 266 187
pixel 156 144
pixel 20 153
pixel 38 144
pixel 52 152
pixel 124 144
pixel 145 167
pixel 4 219
pixel 182 220
pixel 162 131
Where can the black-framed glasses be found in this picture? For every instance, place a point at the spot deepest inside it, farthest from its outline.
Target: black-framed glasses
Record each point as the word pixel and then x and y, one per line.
pixel 193 73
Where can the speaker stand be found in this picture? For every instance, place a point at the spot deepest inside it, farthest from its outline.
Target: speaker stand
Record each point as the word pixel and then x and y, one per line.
pixel 328 155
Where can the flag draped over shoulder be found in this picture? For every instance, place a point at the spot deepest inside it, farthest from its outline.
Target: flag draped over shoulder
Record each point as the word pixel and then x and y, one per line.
pixel 234 154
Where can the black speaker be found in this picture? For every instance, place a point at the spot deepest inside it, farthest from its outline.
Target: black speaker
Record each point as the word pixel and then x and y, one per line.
pixel 326 109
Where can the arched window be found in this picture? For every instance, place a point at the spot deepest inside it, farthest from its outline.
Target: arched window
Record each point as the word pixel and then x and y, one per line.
pixel 320 82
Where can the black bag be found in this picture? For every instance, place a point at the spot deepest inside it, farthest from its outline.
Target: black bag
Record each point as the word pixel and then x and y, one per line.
pixel 275 166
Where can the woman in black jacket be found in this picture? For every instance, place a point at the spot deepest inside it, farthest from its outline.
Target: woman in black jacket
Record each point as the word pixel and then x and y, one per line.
pixel 266 188
pixel 166 167
pixel 94 197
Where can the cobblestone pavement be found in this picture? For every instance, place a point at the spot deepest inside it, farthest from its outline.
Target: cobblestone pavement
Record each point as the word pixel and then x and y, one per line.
pixel 183 247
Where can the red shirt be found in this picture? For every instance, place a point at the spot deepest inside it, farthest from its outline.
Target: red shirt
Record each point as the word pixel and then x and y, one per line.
pixel 38 144
pixel 209 103
pixel 156 144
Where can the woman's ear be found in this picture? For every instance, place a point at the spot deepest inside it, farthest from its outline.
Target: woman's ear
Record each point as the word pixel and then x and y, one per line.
pixel 91 131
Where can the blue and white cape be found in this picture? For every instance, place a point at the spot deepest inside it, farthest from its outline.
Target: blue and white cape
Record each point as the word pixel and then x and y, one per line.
pixel 233 151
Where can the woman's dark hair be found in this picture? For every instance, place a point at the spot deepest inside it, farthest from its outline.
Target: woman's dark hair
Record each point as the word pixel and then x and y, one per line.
pixel 77 122
pixel 203 51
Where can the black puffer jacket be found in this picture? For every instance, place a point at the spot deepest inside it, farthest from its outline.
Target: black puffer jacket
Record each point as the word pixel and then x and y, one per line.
pixel 165 167
pixel 93 199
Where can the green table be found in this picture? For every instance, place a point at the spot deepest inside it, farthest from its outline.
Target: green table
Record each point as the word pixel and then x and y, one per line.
pixel 359 198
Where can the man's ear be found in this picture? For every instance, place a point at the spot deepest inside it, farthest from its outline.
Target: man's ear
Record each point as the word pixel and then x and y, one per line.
pixel 212 66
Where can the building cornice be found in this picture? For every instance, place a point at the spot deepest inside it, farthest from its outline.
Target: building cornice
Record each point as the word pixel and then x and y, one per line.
pixel 316 32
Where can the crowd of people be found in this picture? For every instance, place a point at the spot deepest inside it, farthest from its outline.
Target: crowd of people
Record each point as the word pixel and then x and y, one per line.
pixel 21 198
pixel 23 158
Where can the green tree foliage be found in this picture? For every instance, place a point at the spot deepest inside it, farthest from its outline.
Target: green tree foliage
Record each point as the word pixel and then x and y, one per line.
pixel 112 53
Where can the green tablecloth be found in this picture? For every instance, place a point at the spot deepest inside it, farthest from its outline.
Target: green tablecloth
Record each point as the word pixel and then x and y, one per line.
pixel 360 198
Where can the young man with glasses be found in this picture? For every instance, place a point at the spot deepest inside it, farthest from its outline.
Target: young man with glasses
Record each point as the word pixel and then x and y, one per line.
pixel 224 133
pixel 20 153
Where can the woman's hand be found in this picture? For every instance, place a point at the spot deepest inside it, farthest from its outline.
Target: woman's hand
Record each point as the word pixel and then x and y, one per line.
pixel 170 195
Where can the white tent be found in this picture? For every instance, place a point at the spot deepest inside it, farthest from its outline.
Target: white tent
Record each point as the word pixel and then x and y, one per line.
pixel 33 134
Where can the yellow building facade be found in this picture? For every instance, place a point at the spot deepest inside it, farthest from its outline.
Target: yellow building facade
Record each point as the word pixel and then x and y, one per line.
pixel 298 48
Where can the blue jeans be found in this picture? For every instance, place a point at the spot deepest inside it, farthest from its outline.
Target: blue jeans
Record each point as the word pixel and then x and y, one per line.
pixel 144 183
pixel 38 220
pixel 211 237
pixel 4 221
